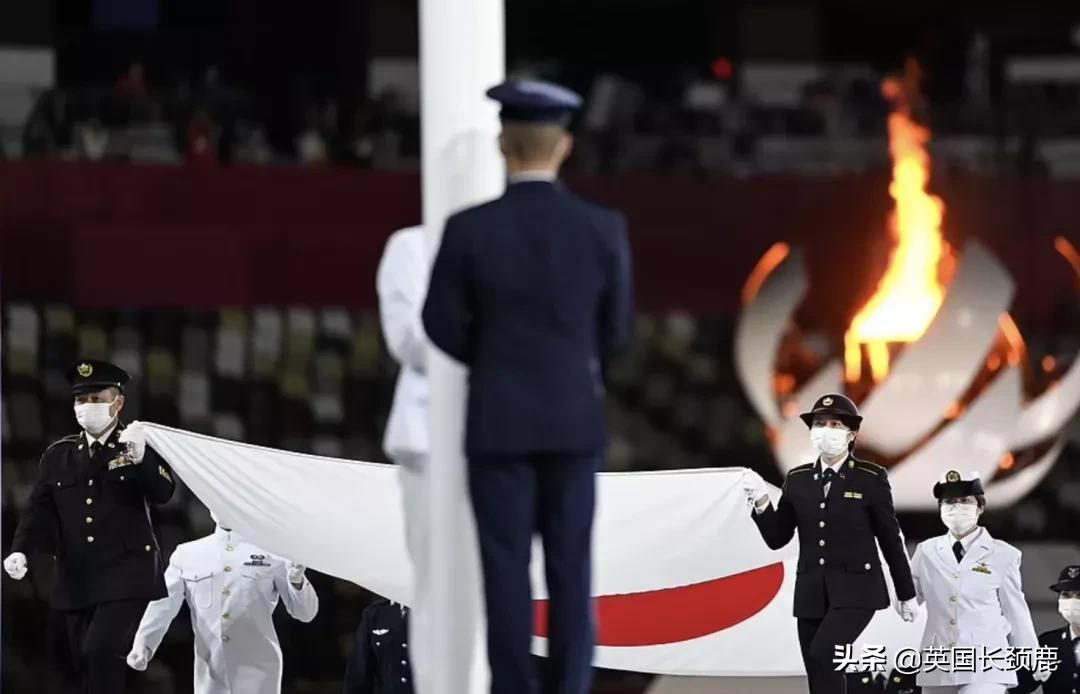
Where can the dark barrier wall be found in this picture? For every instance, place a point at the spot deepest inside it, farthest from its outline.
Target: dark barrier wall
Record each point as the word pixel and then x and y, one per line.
pixel 207 237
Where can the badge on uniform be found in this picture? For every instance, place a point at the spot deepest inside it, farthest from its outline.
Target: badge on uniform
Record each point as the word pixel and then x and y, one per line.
pixel 164 473
pixel 380 632
pixel 852 495
pixel 122 461
pixel 981 568
pixel 257 560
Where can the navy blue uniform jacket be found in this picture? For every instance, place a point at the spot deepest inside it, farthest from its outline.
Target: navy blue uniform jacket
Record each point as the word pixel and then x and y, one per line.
pixel 96 521
pixel 531 291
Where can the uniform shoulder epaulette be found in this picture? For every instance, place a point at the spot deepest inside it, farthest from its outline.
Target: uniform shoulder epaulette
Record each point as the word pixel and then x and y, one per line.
pixel 872 468
pixel 806 467
pixel 73 438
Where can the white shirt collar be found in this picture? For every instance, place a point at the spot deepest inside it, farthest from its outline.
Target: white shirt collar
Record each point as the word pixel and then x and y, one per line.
pixel 103 438
pixel 533 175
pixel 835 467
pixel 967 540
pixel 1074 633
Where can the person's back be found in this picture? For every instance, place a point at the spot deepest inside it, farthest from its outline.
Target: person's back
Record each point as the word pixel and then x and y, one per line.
pixel 546 268
pixel 531 291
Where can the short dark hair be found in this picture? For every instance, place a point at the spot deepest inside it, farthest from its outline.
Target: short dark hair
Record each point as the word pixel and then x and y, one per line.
pixel 980 500
pixel 531 141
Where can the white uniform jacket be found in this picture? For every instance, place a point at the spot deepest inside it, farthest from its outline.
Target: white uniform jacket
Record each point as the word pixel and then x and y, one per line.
pixel 401 283
pixel 976 603
pixel 231 588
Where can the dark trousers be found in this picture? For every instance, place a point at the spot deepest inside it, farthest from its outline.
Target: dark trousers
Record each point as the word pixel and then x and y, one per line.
pixel 818 639
pixel 100 638
pixel 515 497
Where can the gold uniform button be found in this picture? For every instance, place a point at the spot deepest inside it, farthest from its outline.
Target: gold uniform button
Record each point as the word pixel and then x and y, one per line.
pixel 89 538
pixel 147 548
pixel 821 561
pixel 89 501
pixel 866 566
pixel 821 543
pixel 225 638
pixel 89 519
pixel 91 483
pixel 226 592
pixel 228 548
pixel 121 478
pixel 952 598
pixel 225 615
pixel 821 524
pixel 228 569
pixel 952 622
pixel 822 504
pixel 956 575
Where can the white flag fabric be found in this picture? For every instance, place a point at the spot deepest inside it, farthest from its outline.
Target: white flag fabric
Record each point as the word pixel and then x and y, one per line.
pixel 684 584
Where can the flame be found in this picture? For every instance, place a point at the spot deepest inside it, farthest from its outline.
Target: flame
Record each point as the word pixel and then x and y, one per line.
pixel 1013 339
pixel 910 293
pixel 768 262
pixel 1069 252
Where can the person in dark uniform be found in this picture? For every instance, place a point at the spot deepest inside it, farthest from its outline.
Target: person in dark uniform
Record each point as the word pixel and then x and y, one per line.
pixel 89 508
pixel 902 683
pixel 1065 641
pixel 531 292
pixel 843 509
pixel 864 683
pixel 379 662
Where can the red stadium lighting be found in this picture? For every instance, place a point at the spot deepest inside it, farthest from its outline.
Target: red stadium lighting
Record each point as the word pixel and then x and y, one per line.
pixel 723 69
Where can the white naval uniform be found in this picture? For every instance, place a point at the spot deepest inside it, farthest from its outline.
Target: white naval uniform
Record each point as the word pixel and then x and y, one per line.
pixel 976 603
pixel 401 282
pixel 440 665
pixel 231 588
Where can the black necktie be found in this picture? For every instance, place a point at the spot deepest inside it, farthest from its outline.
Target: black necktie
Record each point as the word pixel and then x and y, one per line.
pixel 94 448
pixel 958 550
pixel 827 476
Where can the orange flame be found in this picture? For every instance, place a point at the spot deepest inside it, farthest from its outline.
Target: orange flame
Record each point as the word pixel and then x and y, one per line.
pixel 1069 252
pixel 768 262
pixel 910 293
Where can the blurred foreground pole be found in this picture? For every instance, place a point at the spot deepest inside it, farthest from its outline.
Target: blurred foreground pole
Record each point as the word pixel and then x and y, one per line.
pixel 461 56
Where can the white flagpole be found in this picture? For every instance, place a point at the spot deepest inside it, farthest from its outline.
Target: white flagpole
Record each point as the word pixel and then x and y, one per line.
pixel 461 56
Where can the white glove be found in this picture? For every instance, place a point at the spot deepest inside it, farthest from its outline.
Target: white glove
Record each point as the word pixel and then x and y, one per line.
pixel 1041 675
pixel 908 609
pixel 295 572
pixel 134 438
pixel 138 658
pixel 757 494
pixel 15 565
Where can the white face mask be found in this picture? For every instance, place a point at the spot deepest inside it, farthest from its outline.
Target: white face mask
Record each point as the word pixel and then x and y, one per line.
pixel 830 441
pixel 959 518
pixel 94 417
pixel 1070 609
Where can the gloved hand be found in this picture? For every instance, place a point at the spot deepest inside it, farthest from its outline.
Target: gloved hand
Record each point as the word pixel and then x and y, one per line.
pixel 907 609
pixel 138 658
pixel 295 572
pixel 15 565
pixel 757 494
pixel 134 439
pixel 1040 675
